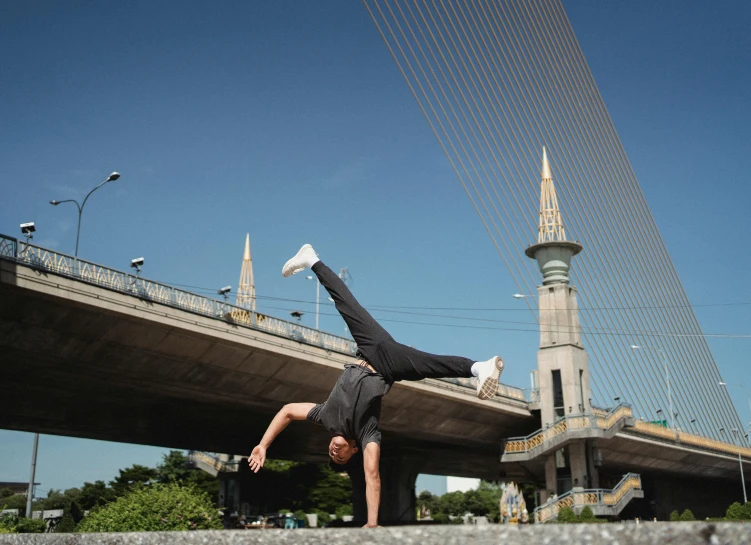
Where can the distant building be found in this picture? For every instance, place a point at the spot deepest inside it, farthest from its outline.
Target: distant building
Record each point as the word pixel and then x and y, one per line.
pixel 16 487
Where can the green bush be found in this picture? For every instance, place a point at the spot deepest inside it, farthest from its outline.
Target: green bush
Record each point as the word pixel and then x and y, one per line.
pixel 8 524
pixel 567 515
pixel 159 507
pixel 13 524
pixel 440 518
pixel 587 515
pixel 30 526
pixel 675 516
pixel 735 512
pixel 687 515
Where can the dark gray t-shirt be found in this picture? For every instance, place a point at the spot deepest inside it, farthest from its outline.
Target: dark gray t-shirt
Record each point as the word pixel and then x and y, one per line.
pixel 354 406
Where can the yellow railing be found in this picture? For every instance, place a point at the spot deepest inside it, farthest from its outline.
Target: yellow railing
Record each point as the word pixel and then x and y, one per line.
pixel 585 421
pixel 655 430
pixel 632 482
pixel 605 420
pixel 610 498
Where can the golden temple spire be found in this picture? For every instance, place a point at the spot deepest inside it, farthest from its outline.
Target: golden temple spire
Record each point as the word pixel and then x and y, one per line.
pixel 246 293
pixel 551 225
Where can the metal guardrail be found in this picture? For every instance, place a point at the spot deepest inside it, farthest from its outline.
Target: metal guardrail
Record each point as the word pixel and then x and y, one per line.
pixel 149 290
pixel 576 422
pixel 596 497
pixel 131 284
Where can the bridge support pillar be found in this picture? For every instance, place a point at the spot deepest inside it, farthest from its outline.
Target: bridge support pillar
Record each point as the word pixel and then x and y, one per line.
pixel 399 472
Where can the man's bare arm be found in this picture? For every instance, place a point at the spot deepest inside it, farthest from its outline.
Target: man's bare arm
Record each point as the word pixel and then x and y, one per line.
pixel 288 413
pixel 371 458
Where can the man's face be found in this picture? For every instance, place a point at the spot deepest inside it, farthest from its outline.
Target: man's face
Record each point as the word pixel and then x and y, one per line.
pixel 340 450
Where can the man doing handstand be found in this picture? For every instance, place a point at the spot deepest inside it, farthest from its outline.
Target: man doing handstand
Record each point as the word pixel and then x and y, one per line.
pixel 353 409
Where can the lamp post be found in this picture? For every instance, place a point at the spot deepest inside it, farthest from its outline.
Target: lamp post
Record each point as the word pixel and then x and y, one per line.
pixel 30 495
pixel 725 385
pixel 111 178
pixel 667 376
pixel 318 296
pixel 740 463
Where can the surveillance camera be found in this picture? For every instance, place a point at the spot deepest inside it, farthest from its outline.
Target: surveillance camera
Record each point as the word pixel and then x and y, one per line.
pixel 27 228
pixel 225 290
pixel 137 262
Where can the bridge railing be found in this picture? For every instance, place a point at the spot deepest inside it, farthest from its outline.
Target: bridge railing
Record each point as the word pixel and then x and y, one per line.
pixel 149 290
pixel 596 497
pixel 559 427
pixel 133 284
pixel 678 436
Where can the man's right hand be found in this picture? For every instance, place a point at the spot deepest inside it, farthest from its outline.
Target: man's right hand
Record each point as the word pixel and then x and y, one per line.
pixel 257 458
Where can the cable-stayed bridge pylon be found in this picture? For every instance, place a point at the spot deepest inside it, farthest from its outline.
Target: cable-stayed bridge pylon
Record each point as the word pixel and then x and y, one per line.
pixel 497 81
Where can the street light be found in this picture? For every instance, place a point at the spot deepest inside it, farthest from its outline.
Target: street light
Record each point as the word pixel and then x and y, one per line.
pixel 740 462
pixel 723 383
pixel 522 295
pixel 667 375
pixel 318 296
pixel 111 178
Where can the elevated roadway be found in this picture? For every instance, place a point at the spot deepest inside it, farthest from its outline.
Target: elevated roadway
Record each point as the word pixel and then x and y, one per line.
pixel 87 351
pixel 89 359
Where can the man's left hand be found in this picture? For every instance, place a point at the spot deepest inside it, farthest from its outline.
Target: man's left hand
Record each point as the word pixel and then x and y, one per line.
pixel 371 526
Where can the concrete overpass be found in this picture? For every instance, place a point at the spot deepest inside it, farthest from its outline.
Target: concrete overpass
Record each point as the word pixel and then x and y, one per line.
pixel 92 352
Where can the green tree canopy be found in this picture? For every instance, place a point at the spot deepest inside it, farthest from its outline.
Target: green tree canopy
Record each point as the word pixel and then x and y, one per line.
pixel 134 475
pixel 330 492
pixel 174 468
pixel 452 503
pixel 94 494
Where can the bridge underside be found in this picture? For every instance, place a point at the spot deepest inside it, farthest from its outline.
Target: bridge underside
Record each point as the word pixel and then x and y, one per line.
pixel 80 360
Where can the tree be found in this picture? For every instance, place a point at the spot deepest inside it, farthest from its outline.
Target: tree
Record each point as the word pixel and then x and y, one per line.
pixel 482 502
pixel 5 492
pixel 94 495
pixel 160 507
pixel 67 525
pixel 137 474
pixel 687 515
pixel 452 503
pixel 174 468
pixel 426 500
pixel 331 492
pixel 675 516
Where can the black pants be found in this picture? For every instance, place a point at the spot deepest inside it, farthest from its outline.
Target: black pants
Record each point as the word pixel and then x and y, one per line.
pixel 394 361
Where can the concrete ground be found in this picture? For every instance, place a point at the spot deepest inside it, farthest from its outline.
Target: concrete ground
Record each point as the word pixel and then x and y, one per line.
pixel 682 533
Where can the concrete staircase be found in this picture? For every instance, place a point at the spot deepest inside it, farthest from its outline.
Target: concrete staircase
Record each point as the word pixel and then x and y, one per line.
pixel 599 425
pixel 604 503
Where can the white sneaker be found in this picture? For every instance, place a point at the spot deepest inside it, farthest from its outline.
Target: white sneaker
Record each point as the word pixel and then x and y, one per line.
pixel 487 380
pixel 304 258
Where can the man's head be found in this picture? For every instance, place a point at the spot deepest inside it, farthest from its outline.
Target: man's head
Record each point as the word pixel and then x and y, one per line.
pixel 341 449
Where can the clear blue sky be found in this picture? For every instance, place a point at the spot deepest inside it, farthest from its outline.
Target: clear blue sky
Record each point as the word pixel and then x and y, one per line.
pixel 290 121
